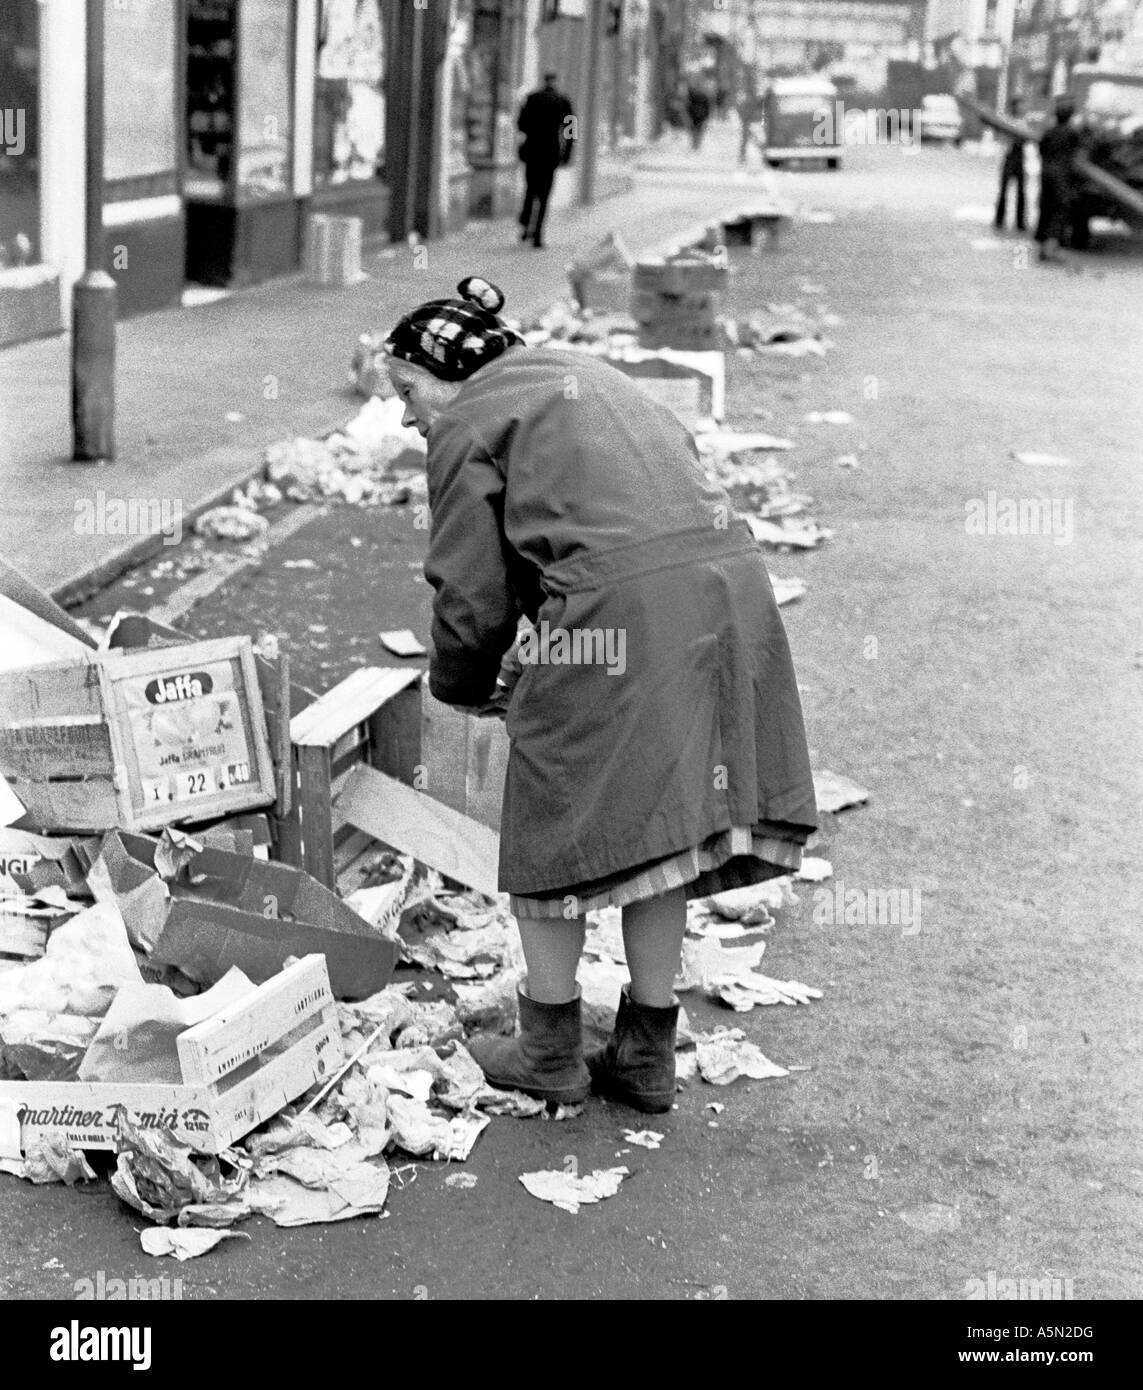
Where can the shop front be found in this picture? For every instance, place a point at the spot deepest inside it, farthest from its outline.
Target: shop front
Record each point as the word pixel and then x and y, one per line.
pixel 243 217
pixel 143 218
pixel 494 63
pixel 29 290
pixel 354 39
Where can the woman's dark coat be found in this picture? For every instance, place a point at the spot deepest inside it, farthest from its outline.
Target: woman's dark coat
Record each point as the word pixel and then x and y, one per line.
pixel 560 490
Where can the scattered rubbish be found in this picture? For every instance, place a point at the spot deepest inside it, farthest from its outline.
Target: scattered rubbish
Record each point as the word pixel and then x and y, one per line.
pixel 305 564
pixel 753 904
pixel 570 1193
pixel 161 1177
pixel 725 1055
pixel 314 1192
pixel 723 443
pixel 184 1243
pixel 231 524
pixel 814 870
pixel 403 643
pixel 829 417
pixel 787 590
pixel 790 532
pixel 931 1218
pixel 848 461
pixel 234 417
pixel 834 792
pixel 600 277
pixel 465 1181
pixel 645 1138
pixel 1035 460
pixel 715 1105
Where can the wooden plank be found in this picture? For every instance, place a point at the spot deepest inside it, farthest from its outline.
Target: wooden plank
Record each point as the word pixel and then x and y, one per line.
pixel 395 735
pixel 486 770
pixel 43 694
pixel 350 702
pixel 274 688
pixel 235 1035
pixel 444 752
pixel 416 824
pixel 68 806
pixel 315 795
pixel 241 1107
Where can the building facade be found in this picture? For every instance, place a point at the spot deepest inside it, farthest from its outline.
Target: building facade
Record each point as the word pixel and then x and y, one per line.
pixel 228 122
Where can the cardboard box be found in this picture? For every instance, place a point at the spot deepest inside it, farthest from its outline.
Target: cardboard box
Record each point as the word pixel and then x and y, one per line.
pixel 228 909
pixel 140 740
pixel 239 1068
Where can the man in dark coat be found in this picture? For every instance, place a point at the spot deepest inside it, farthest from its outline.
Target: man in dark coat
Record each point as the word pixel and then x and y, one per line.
pixel 547 122
pixel 1058 182
pixel 1012 171
pixel 698 112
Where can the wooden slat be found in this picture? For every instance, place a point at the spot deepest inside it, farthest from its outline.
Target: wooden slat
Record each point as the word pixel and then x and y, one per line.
pixel 485 771
pixel 315 796
pixel 416 824
pixel 444 752
pixel 349 703
pixel 395 735
pixel 236 1035
pixel 64 806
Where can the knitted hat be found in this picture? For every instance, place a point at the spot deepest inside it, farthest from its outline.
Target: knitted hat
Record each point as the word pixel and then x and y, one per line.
pixel 453 337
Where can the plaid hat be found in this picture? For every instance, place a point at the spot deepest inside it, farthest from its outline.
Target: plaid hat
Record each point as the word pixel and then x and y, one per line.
pixel 453 337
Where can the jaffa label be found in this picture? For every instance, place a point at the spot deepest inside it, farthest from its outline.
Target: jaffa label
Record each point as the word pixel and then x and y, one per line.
pixel 188 685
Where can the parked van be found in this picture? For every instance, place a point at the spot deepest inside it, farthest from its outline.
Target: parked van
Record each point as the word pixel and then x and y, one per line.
pixel 800 121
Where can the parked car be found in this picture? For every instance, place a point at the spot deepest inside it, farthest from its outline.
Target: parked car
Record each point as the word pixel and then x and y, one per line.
pixel 801 121
pixel 941 119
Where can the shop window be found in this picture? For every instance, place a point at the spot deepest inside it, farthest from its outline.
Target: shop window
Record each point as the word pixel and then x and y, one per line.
pixel 140 44
pixel 349 98
pixel 265 92
pixel 19 133
pixel 210 98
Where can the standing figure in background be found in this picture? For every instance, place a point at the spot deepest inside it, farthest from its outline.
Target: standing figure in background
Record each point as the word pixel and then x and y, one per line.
pixel 1058 182
pixel 698 112
pixel 1012 171
pixel 750 108
pixel 547 122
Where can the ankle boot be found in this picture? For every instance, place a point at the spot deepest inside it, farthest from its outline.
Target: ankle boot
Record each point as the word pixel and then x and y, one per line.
pixel 638 1064
pixel 545 1060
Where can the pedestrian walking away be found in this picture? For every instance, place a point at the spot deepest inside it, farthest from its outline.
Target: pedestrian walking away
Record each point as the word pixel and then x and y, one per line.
pixel 547 122
pixel 1058 182
pixel 698 112
pixel 1012 171
pixel 657 749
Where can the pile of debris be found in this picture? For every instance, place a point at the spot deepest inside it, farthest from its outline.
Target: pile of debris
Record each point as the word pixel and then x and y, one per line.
pixel 224 1022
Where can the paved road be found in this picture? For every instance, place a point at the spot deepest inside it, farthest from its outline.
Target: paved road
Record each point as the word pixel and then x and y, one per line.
pixel 970 1107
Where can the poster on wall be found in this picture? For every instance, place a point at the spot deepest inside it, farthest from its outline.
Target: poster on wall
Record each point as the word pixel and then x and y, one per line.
pixel 349 107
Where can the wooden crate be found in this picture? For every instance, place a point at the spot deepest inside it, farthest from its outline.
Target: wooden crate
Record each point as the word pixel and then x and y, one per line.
pixel 73 746
pixel 371 718
pixel 378 760
pixel 240 1068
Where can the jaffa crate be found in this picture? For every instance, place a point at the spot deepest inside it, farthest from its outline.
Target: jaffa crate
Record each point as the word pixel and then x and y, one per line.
pixel 138 740
pixel 240 1067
